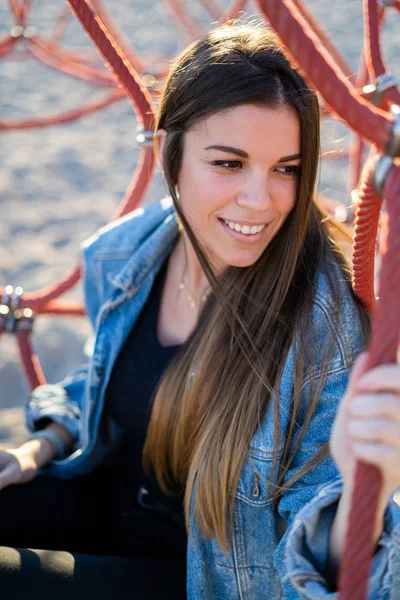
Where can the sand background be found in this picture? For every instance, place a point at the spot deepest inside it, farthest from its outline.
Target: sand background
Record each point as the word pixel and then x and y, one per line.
pixel 59 184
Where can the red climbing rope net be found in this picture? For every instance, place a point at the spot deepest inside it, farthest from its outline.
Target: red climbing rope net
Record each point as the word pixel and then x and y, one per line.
pixel 368 102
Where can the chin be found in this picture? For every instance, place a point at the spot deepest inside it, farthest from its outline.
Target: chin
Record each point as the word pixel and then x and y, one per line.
pixel 242 264
pixel 242 261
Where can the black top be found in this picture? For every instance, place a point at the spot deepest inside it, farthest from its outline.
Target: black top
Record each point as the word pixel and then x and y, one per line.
pixel 128 400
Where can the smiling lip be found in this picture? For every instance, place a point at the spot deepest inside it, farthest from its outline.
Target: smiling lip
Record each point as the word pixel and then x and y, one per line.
pixel 242 236
pixel 249 223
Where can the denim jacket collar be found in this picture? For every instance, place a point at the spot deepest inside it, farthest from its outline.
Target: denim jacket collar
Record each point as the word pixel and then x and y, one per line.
pixel 156 247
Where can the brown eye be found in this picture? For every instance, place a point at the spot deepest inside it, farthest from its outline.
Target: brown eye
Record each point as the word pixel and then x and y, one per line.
pixel 229 165
pixel 289 170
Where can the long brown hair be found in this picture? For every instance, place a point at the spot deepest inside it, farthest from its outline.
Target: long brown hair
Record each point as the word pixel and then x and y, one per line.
pixel 216 392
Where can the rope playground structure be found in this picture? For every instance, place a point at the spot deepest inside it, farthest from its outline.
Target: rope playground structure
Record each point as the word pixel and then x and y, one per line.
pixel 368 102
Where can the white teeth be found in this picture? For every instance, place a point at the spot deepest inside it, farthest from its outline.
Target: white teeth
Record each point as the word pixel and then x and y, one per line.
pixel 246 229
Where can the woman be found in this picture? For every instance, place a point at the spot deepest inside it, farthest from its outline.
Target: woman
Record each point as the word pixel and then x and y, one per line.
pixel 228 310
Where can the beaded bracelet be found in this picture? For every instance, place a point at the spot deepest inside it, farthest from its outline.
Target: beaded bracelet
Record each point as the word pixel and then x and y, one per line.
pixel 52 437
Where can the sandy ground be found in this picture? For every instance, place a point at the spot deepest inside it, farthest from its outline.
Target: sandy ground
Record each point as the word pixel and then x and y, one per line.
pixel 58 185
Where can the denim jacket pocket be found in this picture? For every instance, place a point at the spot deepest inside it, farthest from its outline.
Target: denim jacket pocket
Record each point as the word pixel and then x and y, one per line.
pixel 254 485
pixel 254 524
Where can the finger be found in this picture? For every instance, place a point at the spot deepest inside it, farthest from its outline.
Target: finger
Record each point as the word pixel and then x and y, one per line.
pixel 356 373
pixel 368 405
pixel 386 458
pixel 378 430
pixel 8 476
pixel 358 369
pixel 382 378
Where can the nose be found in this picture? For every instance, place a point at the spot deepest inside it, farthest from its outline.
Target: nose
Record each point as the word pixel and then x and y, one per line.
pixel 255 193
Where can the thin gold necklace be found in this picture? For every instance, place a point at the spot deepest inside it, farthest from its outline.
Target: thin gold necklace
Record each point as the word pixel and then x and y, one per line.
pixel 193 301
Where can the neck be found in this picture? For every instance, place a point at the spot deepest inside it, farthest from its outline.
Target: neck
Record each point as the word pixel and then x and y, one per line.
pixel 192 271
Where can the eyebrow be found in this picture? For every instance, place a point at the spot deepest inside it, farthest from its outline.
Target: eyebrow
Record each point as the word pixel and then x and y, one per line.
pixel 289 158
pixel 229 149
pixel 244 154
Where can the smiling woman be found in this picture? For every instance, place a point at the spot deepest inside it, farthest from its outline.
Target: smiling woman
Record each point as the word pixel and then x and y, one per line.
pixel 259 190
pixel 232 153
pixel 225 332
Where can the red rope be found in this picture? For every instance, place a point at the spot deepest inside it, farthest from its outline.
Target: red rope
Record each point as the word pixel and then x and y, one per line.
pixel 30 362
pixel 65 117
pixel 74 309
pixel 35 300
pixel 26 10
pixel 359 548
pixel 40 301
pixel 325 39
pixel 356 150
pixel 19 11
pixel 46 300
pixel 373 53
pixel 365 231
pixel 320 68
pixel 80 56
pixel 7 44
pixel 212 9
pixel 375 126
pixel 138 185
pixel 233 11
pixel 53 57
pixel 372 39
pixel 190 24
pixel 357 144
pixel 61 24
pixel 116 60
pixel 183 19
pixel 133 57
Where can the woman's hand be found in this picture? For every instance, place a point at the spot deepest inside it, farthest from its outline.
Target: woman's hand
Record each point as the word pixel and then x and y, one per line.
pixel 17 466
pixel 22 464
pixel 367 426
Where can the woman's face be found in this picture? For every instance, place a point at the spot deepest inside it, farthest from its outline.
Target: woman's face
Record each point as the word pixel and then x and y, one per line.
pixel 237 182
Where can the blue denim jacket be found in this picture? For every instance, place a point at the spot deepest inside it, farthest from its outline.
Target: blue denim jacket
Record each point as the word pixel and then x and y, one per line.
pixel 272 554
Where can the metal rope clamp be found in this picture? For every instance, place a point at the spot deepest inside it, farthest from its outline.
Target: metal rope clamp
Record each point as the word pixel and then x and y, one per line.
pixel 13 318
pixel 19 31
pixel 385 163
pixel 386 3
pixel 382 83
pixel 145 137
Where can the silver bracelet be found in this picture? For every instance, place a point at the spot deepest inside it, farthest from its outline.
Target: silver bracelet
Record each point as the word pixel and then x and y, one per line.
pixel 52 437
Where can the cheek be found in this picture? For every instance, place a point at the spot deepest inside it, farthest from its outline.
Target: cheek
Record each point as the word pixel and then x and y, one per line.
pixel 284 194
pixel 193 173
pixel 192 181
pixel 202 191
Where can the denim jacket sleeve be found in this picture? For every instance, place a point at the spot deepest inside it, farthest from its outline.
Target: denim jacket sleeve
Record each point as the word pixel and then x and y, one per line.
pixel 309 509
pixel 59 402
pixel 306 550
pixel 62 402
pixel 104 255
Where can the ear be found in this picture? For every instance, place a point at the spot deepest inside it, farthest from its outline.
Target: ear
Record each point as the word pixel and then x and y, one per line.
pixel 160 140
